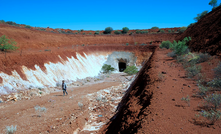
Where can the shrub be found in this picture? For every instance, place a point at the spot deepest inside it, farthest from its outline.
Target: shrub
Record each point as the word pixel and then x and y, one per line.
pixel 169 31
pixel 173 31
pixel 97 32
pixel 161 31
pixel 131 70
pixel 138 31
pixel 90 33
pixel 69 32
pixel 83 33
pixel 217 71
pixel 182 29
pixel 11 130
pixel 117 32
pixel 155 27
pixel 40 110
pixel 165 44
pixel 202 90
pixel 40 29
pixel 213 3
pixel 199 16
pixel 11 23
pixel 125 30
pixel 7 44
pixel 211 115
pixel 76 32
pixel 191 24
pixel 171 54
pixel 181 48
pixel 187 100
pixel 82 30
pixel 143 44
pixel 215 83
pixel 193 70
pixel 127 44
pixel 203 58
pixel 107 68
pixel 214 100
pixel 27 26
pixel 2 21
pixel 108 30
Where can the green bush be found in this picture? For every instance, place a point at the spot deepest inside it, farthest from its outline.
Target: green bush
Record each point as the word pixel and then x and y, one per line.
pixel 182 29
pixel 107 68
pixel 186 99
pixel 217 71
pixel 215 83
pixel 125 30
pixel 131 70
pixel 169 31
pixel 155 27
pixel 213 3
pixel 7 44
pixel 211 115
pixel 213 100
pixel 138 31
pixel 161 31
pixel 180 47
pixel 203 90
pixel 127 44
pixel 203 58
pixel 108 30
pixel 27 26
pixel 193 70
pixel 90 33
pixel 2 21
pixel 199 16
pixel 117 32
pixel 97 32
pixel 191 24
pixel 83 33
pixel 165 44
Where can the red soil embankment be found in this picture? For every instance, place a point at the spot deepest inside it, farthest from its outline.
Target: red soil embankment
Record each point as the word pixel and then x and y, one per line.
pixel 206 33
pixel 40 47
pixel 133 105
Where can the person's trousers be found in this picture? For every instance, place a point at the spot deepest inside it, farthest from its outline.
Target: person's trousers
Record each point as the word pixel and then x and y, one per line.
pixel 65 91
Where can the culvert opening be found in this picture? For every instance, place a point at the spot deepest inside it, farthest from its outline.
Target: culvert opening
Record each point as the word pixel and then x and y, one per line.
pixel 122 66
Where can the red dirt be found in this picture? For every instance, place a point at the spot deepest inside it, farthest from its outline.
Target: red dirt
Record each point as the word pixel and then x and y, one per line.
pixel 153 103
pixel 206 33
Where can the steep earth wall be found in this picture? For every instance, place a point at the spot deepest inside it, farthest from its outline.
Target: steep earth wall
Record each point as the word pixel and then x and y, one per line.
pixel 206 33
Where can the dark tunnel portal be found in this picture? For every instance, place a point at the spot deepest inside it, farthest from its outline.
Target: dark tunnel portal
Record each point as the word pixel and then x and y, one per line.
pixel 122 66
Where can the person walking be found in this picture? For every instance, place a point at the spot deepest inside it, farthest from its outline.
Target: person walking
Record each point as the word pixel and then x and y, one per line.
pixel 64 88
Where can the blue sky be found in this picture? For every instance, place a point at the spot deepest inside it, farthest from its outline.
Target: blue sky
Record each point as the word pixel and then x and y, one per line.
pixel 99 14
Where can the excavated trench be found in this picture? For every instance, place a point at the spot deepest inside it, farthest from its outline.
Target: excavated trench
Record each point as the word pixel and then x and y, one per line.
pixel 131 108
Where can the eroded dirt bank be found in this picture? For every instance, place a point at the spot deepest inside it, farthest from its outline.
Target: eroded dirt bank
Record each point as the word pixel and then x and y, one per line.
pixel 133 107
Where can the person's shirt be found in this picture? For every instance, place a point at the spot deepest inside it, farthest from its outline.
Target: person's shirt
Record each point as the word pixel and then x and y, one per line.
pixel 64 86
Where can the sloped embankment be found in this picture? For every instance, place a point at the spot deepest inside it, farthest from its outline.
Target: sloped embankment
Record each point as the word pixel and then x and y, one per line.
pixel 206 33
pixel 134 104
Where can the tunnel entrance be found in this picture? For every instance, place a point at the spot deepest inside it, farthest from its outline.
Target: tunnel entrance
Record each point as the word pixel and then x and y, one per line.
pixel 122 66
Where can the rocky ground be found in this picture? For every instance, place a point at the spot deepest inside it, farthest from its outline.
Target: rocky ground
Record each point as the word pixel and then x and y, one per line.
pixel 91 102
